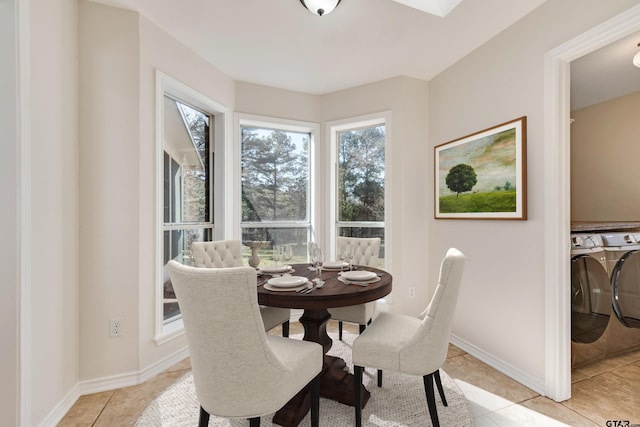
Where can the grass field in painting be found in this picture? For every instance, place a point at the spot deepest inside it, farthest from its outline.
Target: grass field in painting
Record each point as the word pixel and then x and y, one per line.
pixel 494 201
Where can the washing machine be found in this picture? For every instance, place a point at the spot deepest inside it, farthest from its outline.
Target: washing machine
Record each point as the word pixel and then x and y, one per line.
pixel 590 293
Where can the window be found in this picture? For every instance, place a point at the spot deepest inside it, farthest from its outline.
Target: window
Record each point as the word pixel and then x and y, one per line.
pixel 276 186
pixel 190 128
pixel 359 184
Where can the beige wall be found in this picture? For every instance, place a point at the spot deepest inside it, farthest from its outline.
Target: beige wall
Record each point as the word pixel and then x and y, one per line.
pixel 54 178
pixel 9 214
pixel 502 302
pixel 604 161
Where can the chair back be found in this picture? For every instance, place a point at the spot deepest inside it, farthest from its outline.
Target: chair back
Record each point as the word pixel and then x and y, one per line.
pixel 233 366
pixel 365 250
pixel 432 338
pixel 219 253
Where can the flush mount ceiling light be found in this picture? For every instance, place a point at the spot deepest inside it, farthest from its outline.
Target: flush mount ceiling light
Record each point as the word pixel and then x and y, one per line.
pixel 636 58
pixel 320 7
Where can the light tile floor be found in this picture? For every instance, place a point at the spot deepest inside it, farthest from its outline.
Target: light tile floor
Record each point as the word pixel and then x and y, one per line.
pixel 607 390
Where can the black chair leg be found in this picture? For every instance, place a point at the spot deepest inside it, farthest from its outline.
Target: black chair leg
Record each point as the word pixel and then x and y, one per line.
pixel 379 377
pixel 362 328
pixel 254 422
pixel 285 329
pixel 315 401
pixel 431 399
pixel 204 418
pixel 340 330
pixel 357 382
pixel 436 375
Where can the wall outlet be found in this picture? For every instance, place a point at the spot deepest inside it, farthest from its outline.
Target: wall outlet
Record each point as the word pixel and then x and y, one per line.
pixel 412 292
pixel 115 327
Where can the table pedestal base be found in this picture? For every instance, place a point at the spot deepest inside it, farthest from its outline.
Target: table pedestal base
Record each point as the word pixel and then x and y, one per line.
pixel 335 383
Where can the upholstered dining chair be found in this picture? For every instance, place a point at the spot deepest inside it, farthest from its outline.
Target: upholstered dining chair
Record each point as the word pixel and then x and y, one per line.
pixel 228 253
pixel 365 252
pixel 239 370
pixel 410 345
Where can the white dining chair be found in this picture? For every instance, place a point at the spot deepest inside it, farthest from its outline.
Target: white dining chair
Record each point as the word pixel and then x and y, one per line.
pixel 365 252
pixel 239 370
pixel 410 345
pixel 228 253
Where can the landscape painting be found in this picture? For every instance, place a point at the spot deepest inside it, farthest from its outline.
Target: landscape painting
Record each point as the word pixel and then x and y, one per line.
pixel 483 175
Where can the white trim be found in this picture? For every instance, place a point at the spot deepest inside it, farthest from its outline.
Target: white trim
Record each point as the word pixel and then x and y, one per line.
pixel 557 193
pixel 512 372
pixel 334 126
pixel 166 84
pixel 24 214
pixel 62 407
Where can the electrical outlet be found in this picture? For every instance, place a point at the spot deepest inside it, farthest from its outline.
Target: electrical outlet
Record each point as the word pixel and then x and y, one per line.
pixel 412 292
pixel 115 327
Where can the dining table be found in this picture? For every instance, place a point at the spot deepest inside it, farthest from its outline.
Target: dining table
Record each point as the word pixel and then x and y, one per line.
pixel 336 382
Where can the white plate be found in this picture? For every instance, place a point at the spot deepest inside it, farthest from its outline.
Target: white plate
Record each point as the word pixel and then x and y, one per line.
pixel 358 275
pixel 287 281
pixel 358 282
pixel 335 265
pixel 272 269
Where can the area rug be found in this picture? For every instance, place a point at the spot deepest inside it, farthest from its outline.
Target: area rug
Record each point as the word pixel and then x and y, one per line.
pixel 400 402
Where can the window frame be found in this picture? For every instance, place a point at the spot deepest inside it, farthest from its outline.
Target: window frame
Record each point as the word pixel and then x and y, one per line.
pixel 220 117
pixel 332 130
pixel 314 193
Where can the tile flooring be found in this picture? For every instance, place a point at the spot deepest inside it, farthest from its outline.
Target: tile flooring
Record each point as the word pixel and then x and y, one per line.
pixel 607 390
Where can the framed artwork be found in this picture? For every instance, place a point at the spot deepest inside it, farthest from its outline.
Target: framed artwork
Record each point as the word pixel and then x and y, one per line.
pixel 483 175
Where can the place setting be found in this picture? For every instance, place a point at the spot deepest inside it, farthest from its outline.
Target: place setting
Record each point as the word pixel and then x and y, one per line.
pixel 279 252
pixel 358 277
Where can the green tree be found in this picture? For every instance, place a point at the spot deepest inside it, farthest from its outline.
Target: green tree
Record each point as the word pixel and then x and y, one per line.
pixel 274 177
pixel 461 178
pixel 361 174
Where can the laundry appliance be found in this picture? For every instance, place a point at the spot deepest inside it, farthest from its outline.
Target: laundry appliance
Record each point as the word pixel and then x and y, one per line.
pixel 590 298
pixel 623 260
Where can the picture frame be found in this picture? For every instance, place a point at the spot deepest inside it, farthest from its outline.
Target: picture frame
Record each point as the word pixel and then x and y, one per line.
pixel 483 175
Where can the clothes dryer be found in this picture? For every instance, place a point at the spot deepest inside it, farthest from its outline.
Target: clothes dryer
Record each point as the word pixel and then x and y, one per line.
pixel 623 258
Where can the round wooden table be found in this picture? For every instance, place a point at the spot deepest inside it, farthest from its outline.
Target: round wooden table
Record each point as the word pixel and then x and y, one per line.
pixel 336 383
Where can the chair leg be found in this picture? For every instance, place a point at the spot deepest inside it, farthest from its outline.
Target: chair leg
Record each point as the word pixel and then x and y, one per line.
pixel 379 377
pixel 362 328
pixel 357 382
pixel 431 399
pixel 436 375
pixel 204 418
pixel 285 329
pixel 254 422
pixel 315 401
pixel 340 330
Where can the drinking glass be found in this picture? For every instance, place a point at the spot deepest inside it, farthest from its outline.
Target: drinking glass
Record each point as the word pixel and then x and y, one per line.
pixel 318 259
pixel 312 248
pixel 349 255
pixel 287 254
pixel 342 255
pixel 276 255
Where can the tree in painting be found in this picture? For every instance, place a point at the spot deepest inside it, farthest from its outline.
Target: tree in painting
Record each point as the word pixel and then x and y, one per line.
pixel 461 178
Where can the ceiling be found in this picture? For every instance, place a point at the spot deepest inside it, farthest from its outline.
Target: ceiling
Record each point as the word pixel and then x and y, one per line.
pixel 605 74
pixel 279 43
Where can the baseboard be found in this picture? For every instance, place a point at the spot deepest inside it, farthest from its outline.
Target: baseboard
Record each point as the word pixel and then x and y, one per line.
pixel 111 383
pixel 60 410
pixel 503 367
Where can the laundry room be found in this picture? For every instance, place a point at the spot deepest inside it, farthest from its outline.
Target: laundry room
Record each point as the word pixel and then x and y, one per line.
pixel 605 202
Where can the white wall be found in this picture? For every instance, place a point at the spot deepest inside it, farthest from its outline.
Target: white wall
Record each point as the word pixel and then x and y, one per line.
pixel 604 161
pixel 119 54
pixel 501 307
pixel 54 205
pixel 9 213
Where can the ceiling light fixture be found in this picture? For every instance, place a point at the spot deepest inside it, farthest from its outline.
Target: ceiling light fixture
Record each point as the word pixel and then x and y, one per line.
pixel 636 58
pixel 320 7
